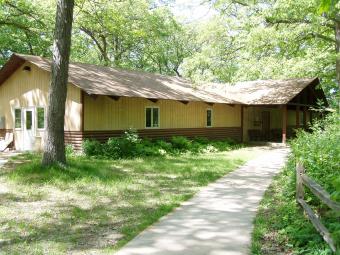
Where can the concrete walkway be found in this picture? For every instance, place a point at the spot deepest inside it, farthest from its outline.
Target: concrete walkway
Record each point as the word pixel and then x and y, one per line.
pixel 218 220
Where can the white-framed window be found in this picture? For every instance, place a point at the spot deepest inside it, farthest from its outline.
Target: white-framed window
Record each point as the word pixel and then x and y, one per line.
pixel 152 117
pixel 41 118
pixel 29 121
pixel 209 117
pixel 17 118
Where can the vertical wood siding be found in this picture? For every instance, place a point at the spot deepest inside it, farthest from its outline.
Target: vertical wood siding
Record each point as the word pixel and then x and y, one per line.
pixel 104 113
pixel 30 89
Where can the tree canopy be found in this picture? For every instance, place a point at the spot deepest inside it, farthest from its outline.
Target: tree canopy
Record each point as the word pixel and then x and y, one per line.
pixel 245 40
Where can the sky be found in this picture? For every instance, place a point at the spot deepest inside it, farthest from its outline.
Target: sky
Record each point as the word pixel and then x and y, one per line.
pixel 192 10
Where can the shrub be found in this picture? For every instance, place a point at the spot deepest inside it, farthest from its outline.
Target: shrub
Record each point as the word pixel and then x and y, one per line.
pixel 319 152
pixel 130 145
pixel 69 150
pixel 92 148
pixel 163 145
pixel 180 143
pixel 221 145
pixel 112 148
pixel 201 140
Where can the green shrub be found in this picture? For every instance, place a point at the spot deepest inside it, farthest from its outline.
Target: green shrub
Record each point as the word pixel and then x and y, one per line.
pixel 69 150
pixel 222 145
pixel 201 140
pixel 319 152
pixel 180 143
pixel 130 145
pixel 166 146
pixel 112 148
pixel 92 148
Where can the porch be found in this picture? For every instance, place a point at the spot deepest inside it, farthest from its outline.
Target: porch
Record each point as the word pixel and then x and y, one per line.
pixel 274 123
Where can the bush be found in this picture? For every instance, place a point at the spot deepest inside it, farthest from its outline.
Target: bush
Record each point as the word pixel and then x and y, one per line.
pixel 69 150
pixel 92 148
pixel 319 152
pixel 163 145
pixel 130 145
pixel 111 148
pixel 201 140
pixel 180 143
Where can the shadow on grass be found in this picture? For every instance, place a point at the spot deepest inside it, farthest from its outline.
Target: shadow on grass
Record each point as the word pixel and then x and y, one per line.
pixel 199 169
pixel 123 198
pixel 79 229
pixel 77 169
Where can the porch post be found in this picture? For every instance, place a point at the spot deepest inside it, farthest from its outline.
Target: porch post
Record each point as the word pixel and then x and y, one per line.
pixel 297 124
pixel 284 123
pixel 242 123
pixel 305 117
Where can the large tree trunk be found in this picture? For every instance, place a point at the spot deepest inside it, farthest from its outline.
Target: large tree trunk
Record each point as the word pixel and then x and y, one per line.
pixel 54 151
pixel 337 48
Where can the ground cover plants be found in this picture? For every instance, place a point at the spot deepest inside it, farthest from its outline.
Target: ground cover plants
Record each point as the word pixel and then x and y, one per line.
pixel 130 145
pixel 280 225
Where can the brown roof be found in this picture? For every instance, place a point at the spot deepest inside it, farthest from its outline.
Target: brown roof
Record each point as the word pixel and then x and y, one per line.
pixel 100 80
pixel 262 92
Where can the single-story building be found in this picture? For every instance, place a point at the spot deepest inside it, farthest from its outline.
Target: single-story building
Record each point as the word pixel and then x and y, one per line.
pixel 103 102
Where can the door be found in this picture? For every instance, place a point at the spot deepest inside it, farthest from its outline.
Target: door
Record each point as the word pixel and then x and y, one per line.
pixel 28 128
pixel 266 125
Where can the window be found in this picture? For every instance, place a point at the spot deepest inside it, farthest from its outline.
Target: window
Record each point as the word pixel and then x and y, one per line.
pixel 41 117
pixel 17 118
pixel 152 117
pixel 209 117
pixel 29 120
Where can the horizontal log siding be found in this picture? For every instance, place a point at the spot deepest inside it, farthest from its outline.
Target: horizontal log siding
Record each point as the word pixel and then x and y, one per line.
pixel 76 137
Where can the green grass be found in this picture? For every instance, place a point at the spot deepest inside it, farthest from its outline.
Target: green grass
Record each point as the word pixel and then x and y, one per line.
pixel 280 226
pixel 98 205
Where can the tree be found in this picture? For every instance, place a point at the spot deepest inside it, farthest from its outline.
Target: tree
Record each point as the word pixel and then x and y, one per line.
pixel 54 150
pixel 267 39
pixel 25 27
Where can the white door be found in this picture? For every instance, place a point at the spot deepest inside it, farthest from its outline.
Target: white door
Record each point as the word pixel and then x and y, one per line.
pixel 28 128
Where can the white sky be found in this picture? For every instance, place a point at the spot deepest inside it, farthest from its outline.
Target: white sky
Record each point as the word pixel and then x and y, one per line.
pixel 192 10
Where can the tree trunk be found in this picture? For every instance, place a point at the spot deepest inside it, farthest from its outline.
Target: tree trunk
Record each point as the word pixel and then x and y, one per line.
pixel 337 48
pixel 54 150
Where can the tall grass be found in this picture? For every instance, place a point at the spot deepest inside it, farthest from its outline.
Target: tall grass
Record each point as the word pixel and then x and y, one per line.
pixel 280 225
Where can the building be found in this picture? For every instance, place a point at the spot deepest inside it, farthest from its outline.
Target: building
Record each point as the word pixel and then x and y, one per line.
pixel 104 102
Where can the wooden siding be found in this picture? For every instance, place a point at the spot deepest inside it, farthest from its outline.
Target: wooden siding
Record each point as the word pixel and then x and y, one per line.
pixel 30 89
pixel 214 133
pixel 104 113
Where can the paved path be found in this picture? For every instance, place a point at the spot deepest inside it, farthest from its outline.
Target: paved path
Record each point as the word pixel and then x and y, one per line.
pixel 218 220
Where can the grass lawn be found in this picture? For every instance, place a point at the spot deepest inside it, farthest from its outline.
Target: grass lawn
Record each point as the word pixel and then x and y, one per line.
pixel 96 206
pixel 280 226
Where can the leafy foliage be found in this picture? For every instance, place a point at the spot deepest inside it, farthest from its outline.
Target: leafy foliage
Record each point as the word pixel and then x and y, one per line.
pixel 280 226
pixel 280 223
pixel 319 152
pixel 245 40
pixel 131 146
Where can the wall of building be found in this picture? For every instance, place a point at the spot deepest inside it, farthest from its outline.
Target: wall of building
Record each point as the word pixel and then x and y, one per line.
pixel 253 119
pixel 104 113
pixel 29 89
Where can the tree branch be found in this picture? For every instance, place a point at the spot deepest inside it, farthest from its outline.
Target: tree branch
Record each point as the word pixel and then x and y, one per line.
pixel 274 21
